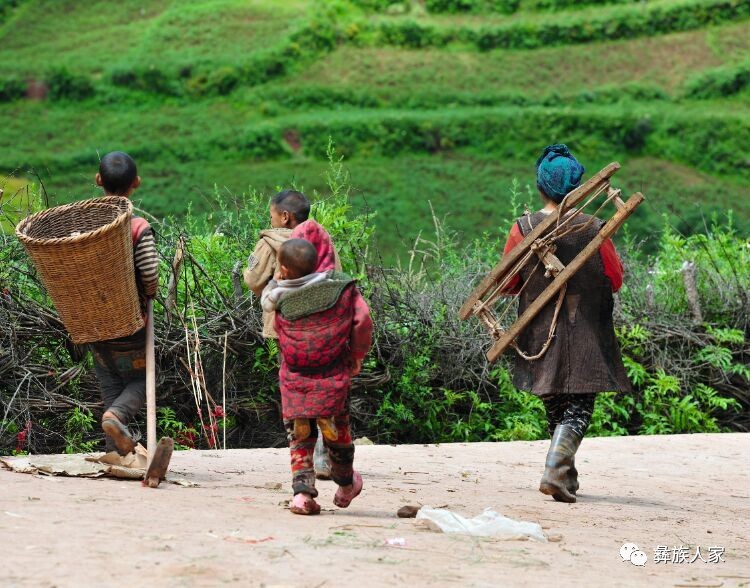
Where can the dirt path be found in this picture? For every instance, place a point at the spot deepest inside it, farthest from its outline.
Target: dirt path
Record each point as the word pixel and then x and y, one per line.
pixel 679 491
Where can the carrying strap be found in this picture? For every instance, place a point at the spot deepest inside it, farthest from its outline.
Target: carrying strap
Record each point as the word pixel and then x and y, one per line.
pixel 138 226
pixel 315 298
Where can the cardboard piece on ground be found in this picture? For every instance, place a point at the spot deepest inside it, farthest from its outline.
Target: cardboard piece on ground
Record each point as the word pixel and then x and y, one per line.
pixel 131 466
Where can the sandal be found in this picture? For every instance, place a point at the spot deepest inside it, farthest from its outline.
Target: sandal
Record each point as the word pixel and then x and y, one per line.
pixel 304 504
pixel 343 498
pixel 120 435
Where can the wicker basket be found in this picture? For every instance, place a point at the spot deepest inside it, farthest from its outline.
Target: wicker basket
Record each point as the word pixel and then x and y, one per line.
pixel 84 255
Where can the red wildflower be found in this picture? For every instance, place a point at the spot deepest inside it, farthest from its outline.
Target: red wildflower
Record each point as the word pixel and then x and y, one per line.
pixel 22 436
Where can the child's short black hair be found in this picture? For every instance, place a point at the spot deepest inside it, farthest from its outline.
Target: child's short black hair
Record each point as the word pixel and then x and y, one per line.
pixel 298 256
pixel 293 202
pixel 118 172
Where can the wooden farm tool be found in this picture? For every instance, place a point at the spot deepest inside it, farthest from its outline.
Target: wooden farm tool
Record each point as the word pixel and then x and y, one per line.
pixel 159 454
pixel 540 244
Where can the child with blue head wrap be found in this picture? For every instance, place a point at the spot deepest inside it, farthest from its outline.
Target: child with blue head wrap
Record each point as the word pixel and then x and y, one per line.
pixel 558 172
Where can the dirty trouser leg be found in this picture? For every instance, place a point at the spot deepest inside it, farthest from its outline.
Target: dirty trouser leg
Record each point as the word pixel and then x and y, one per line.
pixel 110 386
pixel 301 446
pixel 120 367
pixel 122 379
pixel 341 450
pixel 577 412
pixel 554 406
pixel 574 412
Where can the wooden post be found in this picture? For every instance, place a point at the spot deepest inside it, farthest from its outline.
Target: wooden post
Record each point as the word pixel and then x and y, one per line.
pixel 237 281
pixel 174 277
pixel 609 229
pixel 501 269
pixel 150 385
pixel 689 273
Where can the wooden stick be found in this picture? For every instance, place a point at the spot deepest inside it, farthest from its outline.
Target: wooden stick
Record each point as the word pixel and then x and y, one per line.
pixel 179 256
pixel 224 391
pixel 609 229
pixel 499 271
pixel 689 272
pixel 150 385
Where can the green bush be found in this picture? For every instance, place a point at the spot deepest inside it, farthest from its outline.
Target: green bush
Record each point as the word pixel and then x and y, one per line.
pixel 426 379
pixel 146 79
pixel 315 97
pixel 6 6
pixel 711 143
pixel 477 6
pixel 624 22
pixel 375 5
pixel 12 89
pixel 220 81
pixel 64 85
pixel 126 78
pixel 565 4
pixel 319 35
pixel 720 82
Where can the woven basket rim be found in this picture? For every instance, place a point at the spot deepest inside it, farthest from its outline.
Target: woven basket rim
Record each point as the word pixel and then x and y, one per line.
pixel 108 201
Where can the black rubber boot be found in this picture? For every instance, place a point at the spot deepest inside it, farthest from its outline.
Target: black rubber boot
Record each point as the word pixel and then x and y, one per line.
pixel 572 484
pixel 573 478
pixel 560 461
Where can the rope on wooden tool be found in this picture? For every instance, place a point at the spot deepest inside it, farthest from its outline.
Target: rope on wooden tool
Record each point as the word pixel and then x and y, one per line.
pixel 563 227
pixel 550 334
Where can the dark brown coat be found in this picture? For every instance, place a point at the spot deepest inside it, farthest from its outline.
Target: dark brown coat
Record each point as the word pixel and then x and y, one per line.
pixel 584 356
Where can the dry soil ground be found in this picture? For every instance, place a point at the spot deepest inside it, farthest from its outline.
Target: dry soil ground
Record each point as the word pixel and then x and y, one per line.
pixel 232 528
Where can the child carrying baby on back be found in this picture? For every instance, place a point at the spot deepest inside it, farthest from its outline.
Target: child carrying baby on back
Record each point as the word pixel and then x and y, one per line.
pixel 325 331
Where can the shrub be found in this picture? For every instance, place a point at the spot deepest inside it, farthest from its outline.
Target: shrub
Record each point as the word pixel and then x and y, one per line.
pixel 426 379
pixel 477 6
pixel 149 79
pixel 220 81
pixel 6 6
pixel 12 89
pixel 564 4
pixel 719 82
pixel 617 23
pixel 64 85
pixel 126 78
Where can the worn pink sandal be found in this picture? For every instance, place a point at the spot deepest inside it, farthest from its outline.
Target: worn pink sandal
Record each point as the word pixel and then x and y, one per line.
pixel 304 504
pixel 344 498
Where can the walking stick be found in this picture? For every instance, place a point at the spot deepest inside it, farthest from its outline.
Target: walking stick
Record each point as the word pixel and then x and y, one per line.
pixel 158 454
pixel 150 386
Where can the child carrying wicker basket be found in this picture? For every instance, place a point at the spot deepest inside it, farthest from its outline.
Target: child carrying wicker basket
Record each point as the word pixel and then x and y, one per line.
pixel 120 364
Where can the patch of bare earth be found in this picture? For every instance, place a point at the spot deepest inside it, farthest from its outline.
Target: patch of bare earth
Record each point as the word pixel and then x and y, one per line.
pixel 672 491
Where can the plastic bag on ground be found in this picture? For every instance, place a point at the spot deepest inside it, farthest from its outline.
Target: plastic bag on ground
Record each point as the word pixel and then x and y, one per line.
pixel 487 524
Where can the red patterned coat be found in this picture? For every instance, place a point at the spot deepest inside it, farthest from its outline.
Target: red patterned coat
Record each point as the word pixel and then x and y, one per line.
pixel 321 328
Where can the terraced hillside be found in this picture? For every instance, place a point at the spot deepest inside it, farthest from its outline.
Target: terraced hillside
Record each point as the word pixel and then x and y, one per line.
pixel 436 100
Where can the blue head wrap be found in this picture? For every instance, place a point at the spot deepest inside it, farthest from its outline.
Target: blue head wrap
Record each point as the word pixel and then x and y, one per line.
pixel 558 172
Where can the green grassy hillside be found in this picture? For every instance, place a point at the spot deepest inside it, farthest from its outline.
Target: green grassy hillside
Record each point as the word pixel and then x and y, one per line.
pixel 441 101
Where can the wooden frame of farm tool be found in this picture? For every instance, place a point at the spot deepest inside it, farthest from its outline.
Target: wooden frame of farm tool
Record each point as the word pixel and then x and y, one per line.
pixel 539 243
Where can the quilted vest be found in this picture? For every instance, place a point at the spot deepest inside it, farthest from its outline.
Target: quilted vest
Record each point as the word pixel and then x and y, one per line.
pixel 314 324
pixel 584 356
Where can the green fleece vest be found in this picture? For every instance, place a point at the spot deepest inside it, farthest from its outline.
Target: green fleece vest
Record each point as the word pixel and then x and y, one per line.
pixel 316 298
